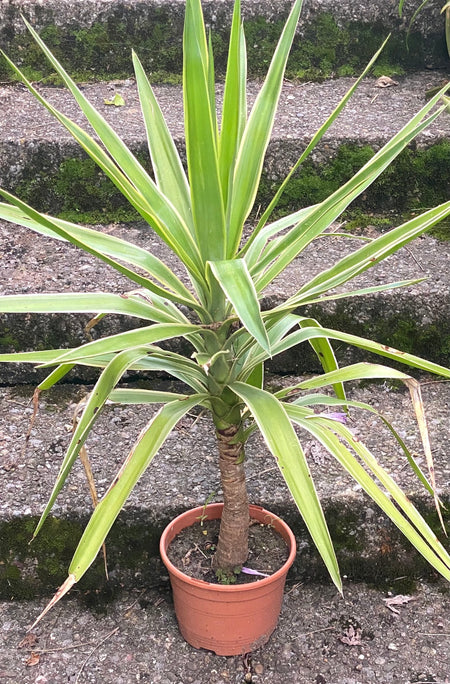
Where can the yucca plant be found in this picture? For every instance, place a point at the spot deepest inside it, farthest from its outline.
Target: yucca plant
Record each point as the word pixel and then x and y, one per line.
pixel 200 215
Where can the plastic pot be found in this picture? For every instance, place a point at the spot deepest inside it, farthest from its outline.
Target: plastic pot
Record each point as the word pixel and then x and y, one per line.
pixel 227 619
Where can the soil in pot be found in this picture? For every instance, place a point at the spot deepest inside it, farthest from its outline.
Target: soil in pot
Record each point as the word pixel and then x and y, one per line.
pixel 192 549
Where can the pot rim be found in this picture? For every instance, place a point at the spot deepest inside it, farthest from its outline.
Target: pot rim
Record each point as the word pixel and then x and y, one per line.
pixel 288 537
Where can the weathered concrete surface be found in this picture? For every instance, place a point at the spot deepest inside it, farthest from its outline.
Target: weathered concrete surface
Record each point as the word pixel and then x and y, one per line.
pixel 87 12
pixel 185 473
pixel 413 319
pixel 137 640
pixel 33 145
pixel 117 25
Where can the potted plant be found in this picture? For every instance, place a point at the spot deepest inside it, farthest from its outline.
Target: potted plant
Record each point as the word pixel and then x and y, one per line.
pixel 200 215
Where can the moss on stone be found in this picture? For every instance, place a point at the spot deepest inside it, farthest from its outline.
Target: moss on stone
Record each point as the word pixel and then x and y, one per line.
pixel 103 51
pixel 8 340
pixel 417 178
pixel 442 230
pixel 29 570
pixel 431 340
pixel 79 191
pixel 368 548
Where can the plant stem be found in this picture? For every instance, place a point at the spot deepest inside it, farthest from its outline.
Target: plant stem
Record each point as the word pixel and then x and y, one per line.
pixel 232 548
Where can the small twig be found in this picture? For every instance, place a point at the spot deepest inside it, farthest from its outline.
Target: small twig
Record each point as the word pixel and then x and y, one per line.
pixel 61 648
pixel 416 260
pixel 337 227
pixel 35 401
pixel 200 551
pixel 93 651
pixel 202 413
pixel 447 634
pixel 127 610
pixel 295 586
pixel 262 472
pixel 316 631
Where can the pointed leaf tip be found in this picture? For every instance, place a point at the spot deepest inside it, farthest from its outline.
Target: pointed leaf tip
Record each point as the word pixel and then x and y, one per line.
pixel 62 591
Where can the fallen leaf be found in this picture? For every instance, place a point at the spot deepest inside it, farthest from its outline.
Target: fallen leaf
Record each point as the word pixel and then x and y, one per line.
pixel 29 641
pixel 385 82
pixel 398 600
pixel 117 101
pixel 33 660
pixel 352 636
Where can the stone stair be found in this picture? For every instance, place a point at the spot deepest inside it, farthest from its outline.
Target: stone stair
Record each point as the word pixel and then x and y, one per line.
pixel 96 36
pixel 39 161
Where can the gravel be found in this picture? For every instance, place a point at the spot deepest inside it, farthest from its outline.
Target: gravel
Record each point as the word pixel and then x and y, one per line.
pixel 322 638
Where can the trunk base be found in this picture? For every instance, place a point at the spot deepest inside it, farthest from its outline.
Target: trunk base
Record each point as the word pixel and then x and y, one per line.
pixel 232 548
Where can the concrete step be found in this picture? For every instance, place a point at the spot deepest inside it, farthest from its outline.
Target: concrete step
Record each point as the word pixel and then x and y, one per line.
pixel 414 319
pixel 184 474
pixel 40 161
pixel 95 37
pixel 135 639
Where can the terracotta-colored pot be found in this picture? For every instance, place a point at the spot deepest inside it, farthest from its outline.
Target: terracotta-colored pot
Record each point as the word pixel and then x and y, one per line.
pixel 226 619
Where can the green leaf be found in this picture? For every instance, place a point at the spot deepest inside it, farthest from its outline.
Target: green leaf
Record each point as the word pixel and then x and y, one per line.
pixel 277 256
pixel 105 384
pixel 149 442
pixel 169 173
pixel 176 365
pixel 201 138
pixel 234 111
pixel 275 426
pixel 122 167
pixel 59 230
pixel 305 300
pixel 235 280
pixel 310 147
pixel 245 349
pixel 418 533
pixel 256 377
pixel 109 246
pixel 371 254
pixel 253 248
pixel 55 376
pixel 43 356
pixel 324 399
pixel 368 345
pixel 357 371
pixel 131 338
pixel 256 136
pixel 158 360
pixel 80 302
pixel 143 396
pixel 325 354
